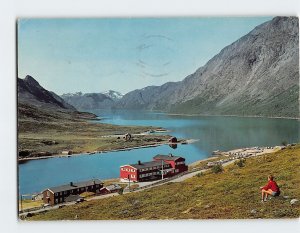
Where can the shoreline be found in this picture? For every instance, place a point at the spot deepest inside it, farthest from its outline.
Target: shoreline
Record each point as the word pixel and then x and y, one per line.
pixel 210 115
pixel 21 160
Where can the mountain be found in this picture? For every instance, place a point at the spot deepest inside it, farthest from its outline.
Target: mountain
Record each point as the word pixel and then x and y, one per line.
pixel 92 100
pixel 256 75
pixel 40 105
pixel 115 95
pixel 32 93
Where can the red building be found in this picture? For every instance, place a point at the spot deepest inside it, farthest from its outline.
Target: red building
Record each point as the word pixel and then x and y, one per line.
pixel 162 166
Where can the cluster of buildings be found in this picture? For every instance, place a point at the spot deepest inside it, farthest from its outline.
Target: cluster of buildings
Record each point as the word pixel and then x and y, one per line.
pixel 239 154
pixel 162 166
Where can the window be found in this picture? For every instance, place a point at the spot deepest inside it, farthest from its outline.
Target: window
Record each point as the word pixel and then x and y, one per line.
pixel 56 194
pixel 61 193
pixel 48 194
pixel 65 192
pixel 61 200
pixel 55 201
pixel 132 176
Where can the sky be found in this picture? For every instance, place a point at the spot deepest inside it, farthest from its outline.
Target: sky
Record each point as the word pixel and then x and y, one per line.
pixel 121 54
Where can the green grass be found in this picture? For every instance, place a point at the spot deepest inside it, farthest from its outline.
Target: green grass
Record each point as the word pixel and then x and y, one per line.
pixel 231 194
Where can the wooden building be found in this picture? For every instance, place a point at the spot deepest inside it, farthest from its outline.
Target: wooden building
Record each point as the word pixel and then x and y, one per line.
pixel 173 140
pixel 114 188
pixel 162 166
pixel 60 194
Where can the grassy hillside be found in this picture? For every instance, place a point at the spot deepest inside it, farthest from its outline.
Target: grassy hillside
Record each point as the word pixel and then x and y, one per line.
pixel 234 193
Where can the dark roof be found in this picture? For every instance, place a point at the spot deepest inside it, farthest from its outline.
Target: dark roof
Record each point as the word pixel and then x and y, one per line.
pixel 73 198
pixel 147 164
pixel 82 184
pixel 167 157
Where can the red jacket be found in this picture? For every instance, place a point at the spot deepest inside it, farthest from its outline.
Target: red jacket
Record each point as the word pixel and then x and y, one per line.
pixel 271 185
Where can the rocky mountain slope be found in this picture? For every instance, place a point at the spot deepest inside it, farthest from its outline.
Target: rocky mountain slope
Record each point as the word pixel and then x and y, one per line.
pixel 35 103
pixel 92 100
pixel 256 75
pixel 32 93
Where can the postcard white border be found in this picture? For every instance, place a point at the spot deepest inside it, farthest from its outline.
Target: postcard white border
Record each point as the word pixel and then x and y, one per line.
pixel 11 10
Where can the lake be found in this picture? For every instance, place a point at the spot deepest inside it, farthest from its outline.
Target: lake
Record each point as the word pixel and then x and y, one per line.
pixel 212 133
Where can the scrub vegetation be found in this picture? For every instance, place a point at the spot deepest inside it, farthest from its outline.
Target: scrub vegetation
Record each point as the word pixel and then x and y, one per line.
pixel 45 133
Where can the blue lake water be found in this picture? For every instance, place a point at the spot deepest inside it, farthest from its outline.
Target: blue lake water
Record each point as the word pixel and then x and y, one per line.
pixel 213 133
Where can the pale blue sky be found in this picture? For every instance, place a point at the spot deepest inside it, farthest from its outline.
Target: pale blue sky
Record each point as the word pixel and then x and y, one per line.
pixel 95 55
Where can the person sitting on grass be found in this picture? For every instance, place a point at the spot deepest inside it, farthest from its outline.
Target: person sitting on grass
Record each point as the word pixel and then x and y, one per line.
pixel 271 188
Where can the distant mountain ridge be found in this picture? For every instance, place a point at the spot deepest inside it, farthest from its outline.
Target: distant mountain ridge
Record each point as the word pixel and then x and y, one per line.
pixel 86 101
pixel 256 75
pixel 115 95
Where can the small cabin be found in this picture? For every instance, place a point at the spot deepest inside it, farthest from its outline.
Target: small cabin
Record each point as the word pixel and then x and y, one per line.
pixel 114 188
pixel 173 140
pixel 67 152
